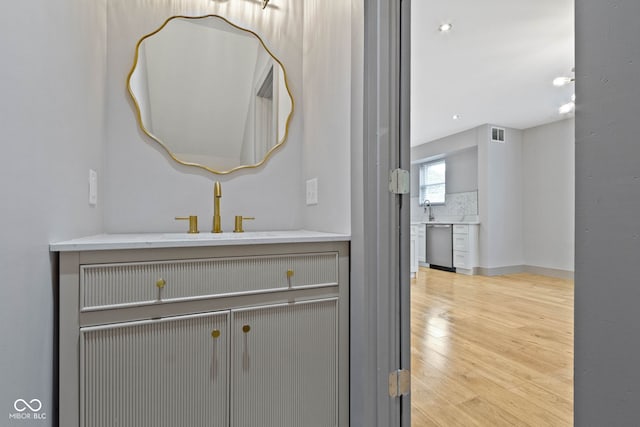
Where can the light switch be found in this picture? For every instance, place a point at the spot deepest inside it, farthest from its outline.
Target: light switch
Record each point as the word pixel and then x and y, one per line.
pixel 93 187
pixel 312 191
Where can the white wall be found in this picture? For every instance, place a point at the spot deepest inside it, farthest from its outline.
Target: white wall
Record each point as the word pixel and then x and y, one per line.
pixel 548 154
pixel 451 143
pixel 500 199
pixel 146 189
pixel 52 122
pixel 462 171
pixel 327 112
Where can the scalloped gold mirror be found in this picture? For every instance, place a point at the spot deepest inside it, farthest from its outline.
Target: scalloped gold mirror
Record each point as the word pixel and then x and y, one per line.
pixel 210 93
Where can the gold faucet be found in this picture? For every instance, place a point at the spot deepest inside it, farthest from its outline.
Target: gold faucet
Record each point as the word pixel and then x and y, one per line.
pixel 238 222
pixel 217 195
pixel 193 223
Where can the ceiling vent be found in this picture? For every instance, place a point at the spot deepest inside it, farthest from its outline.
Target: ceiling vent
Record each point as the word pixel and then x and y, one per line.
pixel 497 134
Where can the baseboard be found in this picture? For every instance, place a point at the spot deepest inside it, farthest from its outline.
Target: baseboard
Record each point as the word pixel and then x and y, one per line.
pixel 500 271
pixel 552 272
pixel 533 269
pixel 467 271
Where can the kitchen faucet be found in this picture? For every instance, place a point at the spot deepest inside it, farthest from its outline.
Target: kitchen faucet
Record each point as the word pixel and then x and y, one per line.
pixel 427 206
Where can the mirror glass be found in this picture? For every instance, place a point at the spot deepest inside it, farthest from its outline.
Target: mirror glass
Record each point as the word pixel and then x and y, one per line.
pixel 211 93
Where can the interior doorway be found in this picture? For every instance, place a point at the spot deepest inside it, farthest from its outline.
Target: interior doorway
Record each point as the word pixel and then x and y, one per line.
pixel 479 71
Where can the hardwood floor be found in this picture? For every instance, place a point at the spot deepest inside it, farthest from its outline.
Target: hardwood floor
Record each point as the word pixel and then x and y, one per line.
pixel 491 351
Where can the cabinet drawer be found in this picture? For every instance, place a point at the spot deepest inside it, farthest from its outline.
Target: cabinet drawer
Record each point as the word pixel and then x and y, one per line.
pixel 113 285
pixel 461 242
pixel 460 228
pixel 460 259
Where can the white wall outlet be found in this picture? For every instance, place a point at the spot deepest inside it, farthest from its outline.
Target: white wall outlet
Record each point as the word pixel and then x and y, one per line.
pixel 312 191
pixel 93 187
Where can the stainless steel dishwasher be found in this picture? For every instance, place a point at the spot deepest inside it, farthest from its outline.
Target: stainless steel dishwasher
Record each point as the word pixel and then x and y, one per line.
pixel 440 246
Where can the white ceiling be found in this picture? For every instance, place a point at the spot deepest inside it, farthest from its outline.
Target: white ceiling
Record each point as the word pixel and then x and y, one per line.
pixel 495 66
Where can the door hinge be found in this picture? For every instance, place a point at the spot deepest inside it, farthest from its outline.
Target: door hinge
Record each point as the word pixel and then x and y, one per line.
pixel 399 383
pixel 399 182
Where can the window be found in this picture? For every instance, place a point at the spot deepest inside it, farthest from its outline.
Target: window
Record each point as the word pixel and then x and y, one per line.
pixel 432 182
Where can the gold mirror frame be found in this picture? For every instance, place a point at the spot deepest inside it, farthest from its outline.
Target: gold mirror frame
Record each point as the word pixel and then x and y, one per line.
pixel 163 145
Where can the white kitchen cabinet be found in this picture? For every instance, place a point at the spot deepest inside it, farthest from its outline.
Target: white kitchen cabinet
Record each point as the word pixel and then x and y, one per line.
pixel 422 243
pixel 413 250
pixel 240 335
pixel 461 241
pixel 465 247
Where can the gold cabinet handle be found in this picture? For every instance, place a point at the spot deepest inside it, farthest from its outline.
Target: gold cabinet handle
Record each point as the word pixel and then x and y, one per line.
pixel 215 333
pixel 160 283
pixel 289 276
pixel 245 347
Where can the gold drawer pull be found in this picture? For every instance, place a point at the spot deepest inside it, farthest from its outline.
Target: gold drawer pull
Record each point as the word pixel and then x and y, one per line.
pixel 215 333
pixel 246 328
pixel 289 276
pixel 160 283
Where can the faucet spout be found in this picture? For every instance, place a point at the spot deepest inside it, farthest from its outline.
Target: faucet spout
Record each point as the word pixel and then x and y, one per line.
pixel 427 206
pixel 217 195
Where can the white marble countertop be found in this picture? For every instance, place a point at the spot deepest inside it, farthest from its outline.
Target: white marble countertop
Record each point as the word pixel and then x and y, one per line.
pixel 448 219
pixel 452 222
pixel 462 222
pixel 174 240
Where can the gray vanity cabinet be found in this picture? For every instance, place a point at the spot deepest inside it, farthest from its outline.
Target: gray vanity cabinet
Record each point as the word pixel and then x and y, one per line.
pixel 164 372
pixel 285 365
pixel 205 336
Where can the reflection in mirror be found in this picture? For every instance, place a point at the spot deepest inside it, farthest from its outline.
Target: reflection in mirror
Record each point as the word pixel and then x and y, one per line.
pixel 210 93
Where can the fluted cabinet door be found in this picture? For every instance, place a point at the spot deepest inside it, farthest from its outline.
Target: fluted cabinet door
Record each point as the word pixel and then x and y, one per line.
pixel 284 365
pixel 156 373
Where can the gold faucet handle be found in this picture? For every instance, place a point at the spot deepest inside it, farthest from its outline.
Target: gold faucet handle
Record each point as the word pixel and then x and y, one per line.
pixel 193 223
pixel 239 218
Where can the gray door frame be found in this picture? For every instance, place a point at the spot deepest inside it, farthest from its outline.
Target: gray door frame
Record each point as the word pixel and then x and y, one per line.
pixel 405 209
pixel 380 222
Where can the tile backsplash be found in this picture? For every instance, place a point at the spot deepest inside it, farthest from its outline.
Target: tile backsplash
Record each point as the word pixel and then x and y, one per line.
pixel 456 205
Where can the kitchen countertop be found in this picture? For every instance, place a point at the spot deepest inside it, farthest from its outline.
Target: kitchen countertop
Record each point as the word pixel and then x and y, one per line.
pixel 455 222
pixel 173 240
pixel 452 222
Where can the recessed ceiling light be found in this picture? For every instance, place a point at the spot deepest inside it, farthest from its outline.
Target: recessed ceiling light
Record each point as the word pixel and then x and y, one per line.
pixel 456 117
pixel 567 108
pixel 561 81
pixel 445 27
